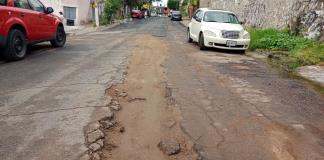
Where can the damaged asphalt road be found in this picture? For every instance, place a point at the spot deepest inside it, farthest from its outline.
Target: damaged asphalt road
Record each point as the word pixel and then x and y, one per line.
pixel 230 106
pixel 237 107
pixel 47 99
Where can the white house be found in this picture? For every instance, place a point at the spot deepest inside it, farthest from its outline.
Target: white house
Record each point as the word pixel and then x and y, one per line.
pixel 75 12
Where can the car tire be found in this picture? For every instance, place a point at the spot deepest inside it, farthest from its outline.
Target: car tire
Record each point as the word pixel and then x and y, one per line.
pixel 188 36
pixel 201 42
pixel 60 38
pixel 242 51
pixel 16 46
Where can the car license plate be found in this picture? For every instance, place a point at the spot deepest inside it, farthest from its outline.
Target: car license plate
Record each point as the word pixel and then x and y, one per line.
pixel 231 43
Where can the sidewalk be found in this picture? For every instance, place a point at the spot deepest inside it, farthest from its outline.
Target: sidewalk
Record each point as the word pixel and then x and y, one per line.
pixel 313 73
pixel 88 28
pixel 185 22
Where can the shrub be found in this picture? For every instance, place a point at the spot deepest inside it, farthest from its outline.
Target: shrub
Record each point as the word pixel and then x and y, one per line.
pixel 111 9
pixel 302 51
pixel 173 4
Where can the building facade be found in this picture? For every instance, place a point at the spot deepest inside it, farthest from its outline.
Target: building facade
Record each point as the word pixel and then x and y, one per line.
pixel 75 12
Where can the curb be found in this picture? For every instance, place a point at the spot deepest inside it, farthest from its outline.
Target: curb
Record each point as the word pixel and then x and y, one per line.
pixel 185 22
pixel 93 29
pixel 312 73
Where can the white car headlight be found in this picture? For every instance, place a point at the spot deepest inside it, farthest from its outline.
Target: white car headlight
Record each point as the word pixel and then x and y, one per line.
pixel 210 33
pixel 246 35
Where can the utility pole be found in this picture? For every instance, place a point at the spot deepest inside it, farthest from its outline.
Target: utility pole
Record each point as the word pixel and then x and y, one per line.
pixel 97 16
pixel 94 5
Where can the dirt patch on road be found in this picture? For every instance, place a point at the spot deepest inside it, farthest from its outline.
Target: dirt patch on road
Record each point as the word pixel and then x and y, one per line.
pixel 145 117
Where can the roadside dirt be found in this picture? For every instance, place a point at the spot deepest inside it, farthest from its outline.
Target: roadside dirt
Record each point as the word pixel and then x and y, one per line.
pixel 147 114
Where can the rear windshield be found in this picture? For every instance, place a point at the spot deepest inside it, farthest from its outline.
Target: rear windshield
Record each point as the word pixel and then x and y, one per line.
pixel 176 12
pixel 3 2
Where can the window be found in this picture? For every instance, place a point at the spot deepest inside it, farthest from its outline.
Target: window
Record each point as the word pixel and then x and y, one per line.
pixel 221 17
pixel 200 15
pixel 22 4
pixel 196 14
pixel 37 5
pixel 3 2
pixel 69 12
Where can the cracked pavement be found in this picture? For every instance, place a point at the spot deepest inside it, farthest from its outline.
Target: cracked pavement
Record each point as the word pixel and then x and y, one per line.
pixel 232 106
pixel 47 99
pixel 237 107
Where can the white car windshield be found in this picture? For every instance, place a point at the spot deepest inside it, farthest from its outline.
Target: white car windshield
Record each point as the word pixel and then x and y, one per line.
pixel 221 17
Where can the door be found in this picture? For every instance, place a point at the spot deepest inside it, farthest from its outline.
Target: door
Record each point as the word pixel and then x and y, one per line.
pixel 46 23
pixel 24 12
pixel 196 20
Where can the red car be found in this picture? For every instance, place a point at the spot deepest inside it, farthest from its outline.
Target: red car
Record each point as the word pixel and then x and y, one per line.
pixel 137 14
pixel 25 22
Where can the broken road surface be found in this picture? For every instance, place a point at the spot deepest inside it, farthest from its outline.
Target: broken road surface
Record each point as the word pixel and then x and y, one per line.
pixel 176 102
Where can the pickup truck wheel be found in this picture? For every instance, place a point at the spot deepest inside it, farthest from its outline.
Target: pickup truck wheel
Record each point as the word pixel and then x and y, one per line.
pixel 60 38
pixel 16 46
pixel 201 42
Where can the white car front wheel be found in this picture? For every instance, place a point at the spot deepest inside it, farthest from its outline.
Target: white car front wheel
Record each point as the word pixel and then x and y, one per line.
pixel 188 36
pixel 201 42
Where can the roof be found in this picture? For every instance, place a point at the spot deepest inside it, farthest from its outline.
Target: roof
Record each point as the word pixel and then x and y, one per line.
pixel 218 10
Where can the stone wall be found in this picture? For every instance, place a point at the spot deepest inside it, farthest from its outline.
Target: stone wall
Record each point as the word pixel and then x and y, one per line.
pixel 305 17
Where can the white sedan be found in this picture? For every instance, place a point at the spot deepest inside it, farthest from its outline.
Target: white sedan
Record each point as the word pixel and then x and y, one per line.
pixel 218 29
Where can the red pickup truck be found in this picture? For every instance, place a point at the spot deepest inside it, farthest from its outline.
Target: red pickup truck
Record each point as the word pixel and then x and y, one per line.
pixel 26 22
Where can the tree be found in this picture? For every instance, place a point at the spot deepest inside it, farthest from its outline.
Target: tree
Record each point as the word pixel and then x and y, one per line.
pixel 138 3
pixel 111 9
pixel 194 2
pixel 173 4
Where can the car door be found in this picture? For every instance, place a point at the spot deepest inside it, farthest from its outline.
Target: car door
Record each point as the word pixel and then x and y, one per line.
pixel 24 12
pixel 195 26
pixel 46 21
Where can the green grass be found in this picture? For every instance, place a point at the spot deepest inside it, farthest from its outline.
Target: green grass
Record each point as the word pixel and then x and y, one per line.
pixel 302 51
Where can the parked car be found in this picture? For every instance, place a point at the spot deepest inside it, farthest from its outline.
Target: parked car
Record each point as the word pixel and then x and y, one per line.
pixel 25 22
pixel 137 14
pixel 176 16
pixel 218 29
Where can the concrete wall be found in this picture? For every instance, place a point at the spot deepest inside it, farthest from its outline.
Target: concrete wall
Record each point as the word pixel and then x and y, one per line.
pixel 84 10
pixel 303 16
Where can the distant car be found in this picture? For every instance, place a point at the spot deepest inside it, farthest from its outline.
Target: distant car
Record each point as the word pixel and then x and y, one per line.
pixel 25 22
pixel 218 29
pixel 137 14
pixel 176 16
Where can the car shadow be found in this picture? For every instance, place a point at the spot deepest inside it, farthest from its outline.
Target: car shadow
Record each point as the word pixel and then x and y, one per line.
pixel 32 50
pixel 225 51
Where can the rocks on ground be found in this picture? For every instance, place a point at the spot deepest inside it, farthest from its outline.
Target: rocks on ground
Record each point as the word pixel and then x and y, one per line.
pixel 95 136
pixel 169 146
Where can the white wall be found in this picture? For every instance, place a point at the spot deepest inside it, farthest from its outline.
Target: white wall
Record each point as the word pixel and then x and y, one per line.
pixel 84 11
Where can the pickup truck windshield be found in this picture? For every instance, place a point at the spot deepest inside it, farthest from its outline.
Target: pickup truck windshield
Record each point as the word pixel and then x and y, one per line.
pixel 221 17
pixel 3 2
